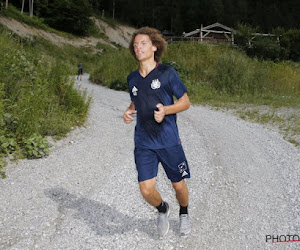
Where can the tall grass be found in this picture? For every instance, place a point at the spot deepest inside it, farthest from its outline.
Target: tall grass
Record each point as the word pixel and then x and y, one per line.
pixel 37 98
pixel 223 77
pixel 215 74
pixel 113 67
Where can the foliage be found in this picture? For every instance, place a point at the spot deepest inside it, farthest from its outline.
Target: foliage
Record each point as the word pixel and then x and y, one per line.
pixel 234 74
pixel 14 13
pixel 35 147
pixel 280 45
pixel 37 97
pixel 243 34
pixel 174 15
pixel 72 16
pixel 214 74
pixel 113 67
pixel 290 42
pixel 8 144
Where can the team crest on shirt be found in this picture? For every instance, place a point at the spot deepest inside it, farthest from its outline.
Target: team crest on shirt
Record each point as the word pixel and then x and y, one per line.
pixel 155 84
pixel 182 169
pixel 134 90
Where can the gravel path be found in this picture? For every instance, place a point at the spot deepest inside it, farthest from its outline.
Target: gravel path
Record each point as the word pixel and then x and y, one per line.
pixel 244 186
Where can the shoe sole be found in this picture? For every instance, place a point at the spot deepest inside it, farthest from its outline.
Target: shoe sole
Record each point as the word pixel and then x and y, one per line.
pixel 184 234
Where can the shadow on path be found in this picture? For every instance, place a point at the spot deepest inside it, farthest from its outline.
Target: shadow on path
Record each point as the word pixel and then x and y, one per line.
pixel 101 218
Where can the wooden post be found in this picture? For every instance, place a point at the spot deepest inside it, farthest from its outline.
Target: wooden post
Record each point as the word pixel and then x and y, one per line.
pixel 201 32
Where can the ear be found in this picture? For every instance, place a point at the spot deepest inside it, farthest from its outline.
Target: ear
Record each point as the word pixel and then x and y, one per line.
pixel 154 48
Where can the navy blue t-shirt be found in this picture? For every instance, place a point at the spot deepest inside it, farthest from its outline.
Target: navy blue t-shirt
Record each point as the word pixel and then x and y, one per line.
pixel 159 86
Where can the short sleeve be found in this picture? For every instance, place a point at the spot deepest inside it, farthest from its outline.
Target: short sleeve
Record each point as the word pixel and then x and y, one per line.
pixel 176 84
pixel 128 84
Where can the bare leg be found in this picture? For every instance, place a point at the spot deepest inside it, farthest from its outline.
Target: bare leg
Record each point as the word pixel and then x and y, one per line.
pixel 182 193
pixel 150 193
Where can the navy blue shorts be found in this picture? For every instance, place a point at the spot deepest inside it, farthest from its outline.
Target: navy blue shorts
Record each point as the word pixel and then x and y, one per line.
pixel 172 159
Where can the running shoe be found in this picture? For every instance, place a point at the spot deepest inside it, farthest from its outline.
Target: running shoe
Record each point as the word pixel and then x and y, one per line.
pixel 163 222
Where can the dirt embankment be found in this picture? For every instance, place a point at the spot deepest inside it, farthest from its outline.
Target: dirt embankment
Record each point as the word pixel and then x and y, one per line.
pixel 120 34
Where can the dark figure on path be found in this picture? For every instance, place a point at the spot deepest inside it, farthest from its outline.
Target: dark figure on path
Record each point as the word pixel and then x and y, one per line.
pixel 80 71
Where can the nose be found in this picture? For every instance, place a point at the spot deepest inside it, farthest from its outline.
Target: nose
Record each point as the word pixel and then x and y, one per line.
pixel 138 46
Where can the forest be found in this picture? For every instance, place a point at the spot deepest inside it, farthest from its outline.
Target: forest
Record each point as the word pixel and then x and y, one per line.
pixel 175 16
pixel 280 18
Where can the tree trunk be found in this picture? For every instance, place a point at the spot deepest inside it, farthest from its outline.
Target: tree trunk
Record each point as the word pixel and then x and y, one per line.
pixel 31 8
pixel 23 2
pixel 114 3
pixel 6 4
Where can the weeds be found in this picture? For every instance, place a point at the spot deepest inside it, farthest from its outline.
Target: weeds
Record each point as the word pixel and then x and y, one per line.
pixel 220 76
pixel 37 99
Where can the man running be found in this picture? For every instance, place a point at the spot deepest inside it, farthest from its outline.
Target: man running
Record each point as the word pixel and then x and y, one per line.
pixel 156 138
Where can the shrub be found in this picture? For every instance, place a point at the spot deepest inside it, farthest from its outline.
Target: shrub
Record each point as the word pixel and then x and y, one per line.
pixel 37 98
pixel 290 42
pixel 35 147
pixel 266 48
pixel 234 74
pixel 113 67
pixel 119 85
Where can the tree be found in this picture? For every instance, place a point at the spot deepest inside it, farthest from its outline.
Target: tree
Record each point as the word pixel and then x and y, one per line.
pixel 6 4
pixel 72 16
pixel 22 9
pixel 31 8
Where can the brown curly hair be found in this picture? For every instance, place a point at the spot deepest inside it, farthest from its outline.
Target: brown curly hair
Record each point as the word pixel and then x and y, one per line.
pixel 156 38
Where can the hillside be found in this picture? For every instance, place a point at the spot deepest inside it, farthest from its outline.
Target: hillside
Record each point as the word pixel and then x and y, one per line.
pixel 119 34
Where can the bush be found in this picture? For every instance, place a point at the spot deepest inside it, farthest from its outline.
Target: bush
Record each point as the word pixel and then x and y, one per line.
pixel 35 147
pixel 290 42
pixel 234 74
pixel 37 98
pixel 266 48
pixel 113 68
pixel 119 85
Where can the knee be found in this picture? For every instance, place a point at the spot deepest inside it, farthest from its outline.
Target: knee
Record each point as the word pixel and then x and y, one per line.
pixel 147 192
pixel 179 186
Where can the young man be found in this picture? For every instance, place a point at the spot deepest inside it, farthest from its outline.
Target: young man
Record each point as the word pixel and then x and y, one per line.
pixel 156 138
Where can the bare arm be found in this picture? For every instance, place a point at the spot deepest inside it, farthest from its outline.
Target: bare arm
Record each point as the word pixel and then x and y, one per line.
pixel 129 111
pixel 182 104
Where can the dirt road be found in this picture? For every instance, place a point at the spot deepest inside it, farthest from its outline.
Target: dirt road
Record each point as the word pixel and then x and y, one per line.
pixel 244 187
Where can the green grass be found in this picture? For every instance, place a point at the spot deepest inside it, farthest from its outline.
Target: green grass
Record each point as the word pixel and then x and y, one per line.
pixel 215 75
pixel 37 95
pixel 224 78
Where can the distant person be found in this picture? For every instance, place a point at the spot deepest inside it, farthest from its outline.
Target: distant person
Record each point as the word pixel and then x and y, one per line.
pixel 156 137
pixel 80 71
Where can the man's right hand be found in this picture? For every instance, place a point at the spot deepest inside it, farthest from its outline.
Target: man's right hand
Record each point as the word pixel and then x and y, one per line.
pixel 127 117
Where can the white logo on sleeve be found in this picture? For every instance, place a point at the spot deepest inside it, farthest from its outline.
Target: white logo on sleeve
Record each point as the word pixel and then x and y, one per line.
pixel 155 84
pixel 134 90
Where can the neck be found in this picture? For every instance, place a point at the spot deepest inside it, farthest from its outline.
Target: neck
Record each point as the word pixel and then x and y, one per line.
pixel 146 67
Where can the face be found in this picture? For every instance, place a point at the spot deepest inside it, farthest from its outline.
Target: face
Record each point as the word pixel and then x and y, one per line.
pixel 143 47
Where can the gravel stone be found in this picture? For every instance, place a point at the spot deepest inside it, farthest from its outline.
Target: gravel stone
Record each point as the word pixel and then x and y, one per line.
pixel 84 195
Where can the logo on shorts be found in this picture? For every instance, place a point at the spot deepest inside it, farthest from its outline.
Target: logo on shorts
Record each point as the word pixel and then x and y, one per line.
pixel 134 90
pixel 155 84
pixel 182 169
